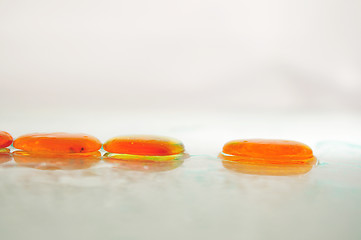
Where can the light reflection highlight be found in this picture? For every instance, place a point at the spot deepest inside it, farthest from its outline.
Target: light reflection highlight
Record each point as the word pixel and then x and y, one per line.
pixel 5 155
pixel 145 163
pixel 54 161
pixel 272 167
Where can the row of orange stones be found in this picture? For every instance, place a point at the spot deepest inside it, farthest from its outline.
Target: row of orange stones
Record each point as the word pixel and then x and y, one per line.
pixel 254 156
pixel 136 152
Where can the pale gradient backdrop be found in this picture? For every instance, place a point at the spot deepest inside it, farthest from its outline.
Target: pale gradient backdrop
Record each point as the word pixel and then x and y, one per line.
pixel 200 54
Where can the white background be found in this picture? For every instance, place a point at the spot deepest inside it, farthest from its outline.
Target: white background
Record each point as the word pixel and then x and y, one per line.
pixel 163 54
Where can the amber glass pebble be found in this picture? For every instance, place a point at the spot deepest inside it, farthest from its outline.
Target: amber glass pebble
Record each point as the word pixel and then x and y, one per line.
pixel 268 157
pixel 144 145
pixel 57 143
pixel 5 139
pixel 268 149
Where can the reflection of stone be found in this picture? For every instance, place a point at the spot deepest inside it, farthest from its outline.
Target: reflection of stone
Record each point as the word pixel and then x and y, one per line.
pixel 145 163
pixel 5 139
pixel 273 167
pixel 5 155
pixel 64 143
pixel 144 145
pixel 53 161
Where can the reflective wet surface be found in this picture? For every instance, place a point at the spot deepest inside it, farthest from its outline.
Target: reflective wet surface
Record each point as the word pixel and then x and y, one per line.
pixel 193 197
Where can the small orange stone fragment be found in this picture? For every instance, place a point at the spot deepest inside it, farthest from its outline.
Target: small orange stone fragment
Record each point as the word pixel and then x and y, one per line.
pixel 57 143
pixel 5 139
pixel 268 157
pixel 144 145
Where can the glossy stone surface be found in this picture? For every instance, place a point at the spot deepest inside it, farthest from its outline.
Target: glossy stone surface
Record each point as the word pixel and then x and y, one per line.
pixel 268 149
pixel 57 143
pixel 54 161
pixel 144 145
pixel 268 157
pixel 5 139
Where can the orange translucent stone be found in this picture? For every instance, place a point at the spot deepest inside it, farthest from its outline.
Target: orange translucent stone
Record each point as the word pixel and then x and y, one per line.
pixel 5 139
pixel 267 157
pixel 56 161
pixel 144 145
pixel 57 143
pixel 268 149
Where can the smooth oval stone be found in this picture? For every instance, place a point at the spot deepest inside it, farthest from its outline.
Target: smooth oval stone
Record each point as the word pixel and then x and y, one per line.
pixel 267 157
pixel 57 143
pixel 56 161
pixel 268 149
pixel 5 139
pixel 144 145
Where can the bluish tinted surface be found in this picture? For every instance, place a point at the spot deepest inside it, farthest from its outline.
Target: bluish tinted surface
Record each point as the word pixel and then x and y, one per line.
pixel 198 199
